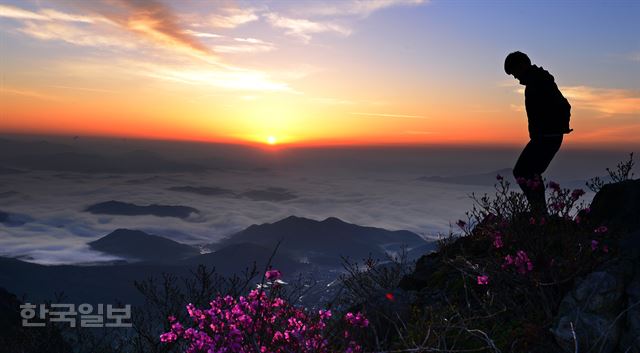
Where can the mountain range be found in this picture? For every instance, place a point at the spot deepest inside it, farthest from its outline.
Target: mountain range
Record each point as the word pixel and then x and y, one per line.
pixel 306 246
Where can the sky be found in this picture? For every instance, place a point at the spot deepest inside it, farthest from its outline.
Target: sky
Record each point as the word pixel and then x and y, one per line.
pixel 315 73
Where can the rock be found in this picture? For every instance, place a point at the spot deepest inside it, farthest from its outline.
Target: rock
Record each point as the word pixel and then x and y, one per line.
pixel 592 307
pixel 618 205
pixel 630 341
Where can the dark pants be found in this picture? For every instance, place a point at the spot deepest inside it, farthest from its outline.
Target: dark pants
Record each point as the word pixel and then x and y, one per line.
pixel 533 161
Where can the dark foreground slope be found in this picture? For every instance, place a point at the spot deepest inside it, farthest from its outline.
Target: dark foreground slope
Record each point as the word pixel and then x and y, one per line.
pixel 555 285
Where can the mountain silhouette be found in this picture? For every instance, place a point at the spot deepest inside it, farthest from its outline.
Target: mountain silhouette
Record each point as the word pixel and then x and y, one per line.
pixel 128 209
pixel 142 246
pixel 307 245
pixel 324 242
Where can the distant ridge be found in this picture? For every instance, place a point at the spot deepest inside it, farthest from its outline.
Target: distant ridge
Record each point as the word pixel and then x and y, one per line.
pixel 325 242
pixel 471 179
pixel 129 209
pixel 142 246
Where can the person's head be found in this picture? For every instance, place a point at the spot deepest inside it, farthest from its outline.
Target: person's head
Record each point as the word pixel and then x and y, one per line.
pixel 516 64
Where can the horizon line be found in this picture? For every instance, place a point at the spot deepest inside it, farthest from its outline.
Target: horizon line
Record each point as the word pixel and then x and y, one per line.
pixel 319 144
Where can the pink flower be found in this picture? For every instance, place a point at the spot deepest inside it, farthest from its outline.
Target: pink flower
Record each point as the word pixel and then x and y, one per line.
pixel 273 275
pixel 508 261
pixel 483 280
pixel 532 220
pixel 324 314
pixel 499 177
pixel 168 337
pixel 521 261
pixel 461 223
pixel 594 245
pixel 554 186
pixel 389 296
pixel 357 320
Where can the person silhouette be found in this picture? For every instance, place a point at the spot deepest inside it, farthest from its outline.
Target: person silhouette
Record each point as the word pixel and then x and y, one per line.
pixel 548 114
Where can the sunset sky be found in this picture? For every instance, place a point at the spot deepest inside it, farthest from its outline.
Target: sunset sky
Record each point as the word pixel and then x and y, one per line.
pixel 314 73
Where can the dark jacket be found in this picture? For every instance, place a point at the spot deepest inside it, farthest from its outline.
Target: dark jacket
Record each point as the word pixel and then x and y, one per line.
pixel 547 109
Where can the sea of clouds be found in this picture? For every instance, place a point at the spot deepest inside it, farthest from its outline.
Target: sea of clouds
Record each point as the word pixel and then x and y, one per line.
pixel 56 228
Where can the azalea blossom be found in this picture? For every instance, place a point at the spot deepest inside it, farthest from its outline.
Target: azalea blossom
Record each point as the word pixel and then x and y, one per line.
pixel 273 275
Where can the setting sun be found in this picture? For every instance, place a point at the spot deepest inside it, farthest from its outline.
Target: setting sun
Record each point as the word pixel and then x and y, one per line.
pixel 272 140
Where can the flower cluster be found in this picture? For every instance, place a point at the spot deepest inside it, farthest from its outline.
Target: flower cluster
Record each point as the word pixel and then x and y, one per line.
pixel 260 323
pixel 273 275
pixel 357 320
pixel 520 261
pixel 483 280
pixel 562 202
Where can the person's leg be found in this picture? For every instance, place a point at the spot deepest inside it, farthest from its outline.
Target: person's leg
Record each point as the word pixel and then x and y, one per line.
pixel 533 161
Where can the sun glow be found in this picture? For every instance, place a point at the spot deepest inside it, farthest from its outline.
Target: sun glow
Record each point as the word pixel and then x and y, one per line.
pixel 272 140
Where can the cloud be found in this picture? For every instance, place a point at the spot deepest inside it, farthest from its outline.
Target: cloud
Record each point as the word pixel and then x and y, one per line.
pixel 74 35
pixel 59 234
pixel 155 21
pixel 246 45
pixel 226 78
pixel 203 34
pixel 303 28
pixel 604 100
pixel 44 15
pixel 360 8
pixel 106 25
pixel 234 17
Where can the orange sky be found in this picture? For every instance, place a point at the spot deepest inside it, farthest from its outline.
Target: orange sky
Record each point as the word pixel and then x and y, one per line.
pixel 366 74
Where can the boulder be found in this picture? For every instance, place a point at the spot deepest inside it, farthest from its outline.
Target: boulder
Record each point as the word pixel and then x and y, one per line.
pixel 618 205
pixel 602 311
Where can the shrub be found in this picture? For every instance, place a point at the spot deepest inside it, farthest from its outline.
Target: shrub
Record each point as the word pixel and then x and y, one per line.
pixel 263 322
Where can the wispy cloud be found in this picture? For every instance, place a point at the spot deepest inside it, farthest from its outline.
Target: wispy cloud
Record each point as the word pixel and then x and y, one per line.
pixel 235 79
pixel 75 35
pixel 155 21
pixel 17 13
pixel 106 24
pixel 385 115
pixel 303 28
pixel 245 45
pixel 360 8
pixel 234 17
pixel 28 93
pixel 203 34
pixel 604 100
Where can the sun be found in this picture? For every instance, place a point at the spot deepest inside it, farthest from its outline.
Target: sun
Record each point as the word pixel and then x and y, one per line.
pixel 272 140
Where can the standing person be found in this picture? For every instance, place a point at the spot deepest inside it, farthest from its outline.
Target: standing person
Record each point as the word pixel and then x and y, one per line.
pixel 548 113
